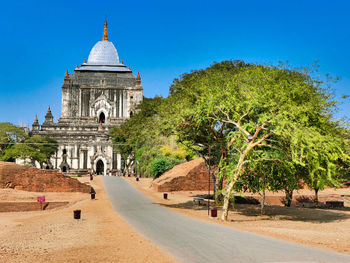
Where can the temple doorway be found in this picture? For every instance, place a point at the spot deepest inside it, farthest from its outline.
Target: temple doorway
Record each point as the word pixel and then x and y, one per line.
pixel 102 118
pixel 100 167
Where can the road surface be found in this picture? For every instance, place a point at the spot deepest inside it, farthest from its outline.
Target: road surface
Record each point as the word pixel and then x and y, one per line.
pixel 193 240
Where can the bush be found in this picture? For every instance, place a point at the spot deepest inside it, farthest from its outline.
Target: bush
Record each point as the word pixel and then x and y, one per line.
pixel 166 150
pixel 161 165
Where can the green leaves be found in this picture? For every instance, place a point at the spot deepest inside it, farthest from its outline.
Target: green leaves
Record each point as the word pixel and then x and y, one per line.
pixel 9 134
pixel 140 138
pixel 161 165
pixel 271 126
pixel 35 148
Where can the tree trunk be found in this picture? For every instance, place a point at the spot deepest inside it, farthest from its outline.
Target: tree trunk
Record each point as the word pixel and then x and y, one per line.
pixel 238 172
pixel 289 197
pixel 128 165
pixel 262 204
pixel 316 197
pixel 49 164
pixel 227 197
pixel 228 191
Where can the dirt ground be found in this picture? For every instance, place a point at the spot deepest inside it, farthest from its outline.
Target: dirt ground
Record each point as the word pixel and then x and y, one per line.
pixel 324 228
pixel 101 235
pixel 55 236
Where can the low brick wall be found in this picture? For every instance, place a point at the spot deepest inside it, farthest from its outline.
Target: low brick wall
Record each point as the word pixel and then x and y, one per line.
pixel 26 178
pixel 29 206
pixel 189 176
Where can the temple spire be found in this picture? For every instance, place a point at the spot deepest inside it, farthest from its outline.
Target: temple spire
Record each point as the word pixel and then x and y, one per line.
pixel 105 34
pixel 35 125
pixel 48 116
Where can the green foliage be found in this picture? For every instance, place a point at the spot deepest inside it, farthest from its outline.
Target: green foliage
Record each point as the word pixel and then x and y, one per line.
pixel 144 157
pixel 268 126
pixel 35 148
pixel 324 156
pixel 264 127
pixel 140 140
pixel 15 143
pixel 161 165
pixel 177 152
pixel 10 134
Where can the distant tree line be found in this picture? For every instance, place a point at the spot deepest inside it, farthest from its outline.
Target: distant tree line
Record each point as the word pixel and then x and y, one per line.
pixel 15 143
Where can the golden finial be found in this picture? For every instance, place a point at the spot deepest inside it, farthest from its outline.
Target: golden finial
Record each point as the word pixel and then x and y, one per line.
pixel 105 34
pixel 129 67
pixel 36 117
pixel 77 65
pixel 122 62
pixel 138 76
pixel 84 60
pixel 66 76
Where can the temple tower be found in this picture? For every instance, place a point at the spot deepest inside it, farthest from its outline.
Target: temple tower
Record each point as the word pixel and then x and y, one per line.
pixel 101 93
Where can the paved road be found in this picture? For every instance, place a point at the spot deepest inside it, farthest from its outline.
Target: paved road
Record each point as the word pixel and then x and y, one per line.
pixel 193 240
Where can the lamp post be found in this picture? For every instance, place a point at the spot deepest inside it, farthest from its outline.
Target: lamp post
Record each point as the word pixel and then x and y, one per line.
pixel 209 152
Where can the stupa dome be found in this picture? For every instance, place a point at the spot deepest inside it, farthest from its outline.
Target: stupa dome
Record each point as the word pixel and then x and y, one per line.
pixel 103 57
pixel 103 53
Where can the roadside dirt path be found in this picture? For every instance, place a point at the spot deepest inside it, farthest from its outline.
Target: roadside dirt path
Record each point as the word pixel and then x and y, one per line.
pixel 54 236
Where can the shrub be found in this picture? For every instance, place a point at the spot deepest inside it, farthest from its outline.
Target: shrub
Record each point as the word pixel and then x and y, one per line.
pixel 180 153
pixel 161 165
pixel 166 150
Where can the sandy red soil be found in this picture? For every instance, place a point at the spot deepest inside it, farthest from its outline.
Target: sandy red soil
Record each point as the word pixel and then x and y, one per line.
pixel 102 236
pixel 55 236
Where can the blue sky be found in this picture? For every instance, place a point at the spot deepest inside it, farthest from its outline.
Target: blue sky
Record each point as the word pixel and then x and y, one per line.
pixel 162 40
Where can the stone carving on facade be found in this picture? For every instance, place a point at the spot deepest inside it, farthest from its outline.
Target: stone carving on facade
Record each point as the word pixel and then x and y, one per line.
pixel 102 104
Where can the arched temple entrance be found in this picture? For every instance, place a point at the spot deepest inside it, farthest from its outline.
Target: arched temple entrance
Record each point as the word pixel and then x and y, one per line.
pixel 102 118
pixel 100 167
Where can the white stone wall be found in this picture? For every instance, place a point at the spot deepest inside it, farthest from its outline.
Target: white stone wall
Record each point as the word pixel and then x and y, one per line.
pixel 65 103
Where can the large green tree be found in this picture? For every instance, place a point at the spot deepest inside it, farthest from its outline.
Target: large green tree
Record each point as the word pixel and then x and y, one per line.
pixel 250 112
pixel 182 115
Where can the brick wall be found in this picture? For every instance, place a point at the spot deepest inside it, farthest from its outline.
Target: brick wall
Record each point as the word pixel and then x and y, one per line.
pixel 189 176
pixel 36 180
pixel 28 206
